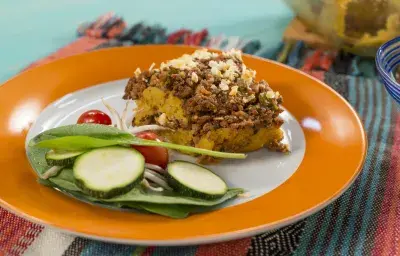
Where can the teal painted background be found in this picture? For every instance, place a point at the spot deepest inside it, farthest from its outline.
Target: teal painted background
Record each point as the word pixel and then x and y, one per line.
pixel 33 29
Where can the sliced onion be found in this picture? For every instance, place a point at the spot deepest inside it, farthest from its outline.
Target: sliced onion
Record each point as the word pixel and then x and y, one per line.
pixel 156 174
pixel 151 127
pixel 51 172
pixel 152 66
pixel 147 185
pixel 123 118
pixel 156 179
pixel 244 195
pixel 154 167
pixel 114 114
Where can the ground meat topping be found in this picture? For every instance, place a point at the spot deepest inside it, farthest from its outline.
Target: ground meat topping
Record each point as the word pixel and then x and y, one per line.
pixel 218 90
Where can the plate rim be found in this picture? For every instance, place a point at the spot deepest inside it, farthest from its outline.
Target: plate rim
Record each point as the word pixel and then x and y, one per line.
pixel 200 240
pixel 223 236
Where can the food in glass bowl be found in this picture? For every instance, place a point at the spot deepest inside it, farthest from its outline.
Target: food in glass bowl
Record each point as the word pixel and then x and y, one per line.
pixel 358 26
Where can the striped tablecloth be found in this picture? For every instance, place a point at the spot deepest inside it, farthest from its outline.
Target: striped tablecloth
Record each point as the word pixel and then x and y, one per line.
pixel 363 221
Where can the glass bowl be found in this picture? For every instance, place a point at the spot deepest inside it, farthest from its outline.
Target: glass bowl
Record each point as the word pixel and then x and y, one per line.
pixel 387 61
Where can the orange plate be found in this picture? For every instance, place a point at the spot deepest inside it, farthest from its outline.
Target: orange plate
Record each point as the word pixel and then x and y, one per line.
pixel 333 158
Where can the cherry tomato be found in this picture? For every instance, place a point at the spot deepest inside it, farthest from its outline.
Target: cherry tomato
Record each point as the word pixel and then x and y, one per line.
pixel 94 117
pixel 152 155
pixel 147 135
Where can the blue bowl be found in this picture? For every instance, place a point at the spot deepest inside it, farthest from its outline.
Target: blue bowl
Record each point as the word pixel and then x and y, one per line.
pixel 387 61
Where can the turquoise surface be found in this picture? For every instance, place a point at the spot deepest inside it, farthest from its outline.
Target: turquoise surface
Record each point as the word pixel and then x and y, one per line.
pixel 33 29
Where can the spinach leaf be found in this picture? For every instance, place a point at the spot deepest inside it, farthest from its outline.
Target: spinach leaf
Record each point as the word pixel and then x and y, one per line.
pixel 93 130
pixel 172 211
pixel 36 157
pixel 171 205
pixel 84 136
pixel 175 211
pixel 187 149
pixel 137 194
pixel 80 136
pixel 99 136
pixel 65 180
pixel 77 143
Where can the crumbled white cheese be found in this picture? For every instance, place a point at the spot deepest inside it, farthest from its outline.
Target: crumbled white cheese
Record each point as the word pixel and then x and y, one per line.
pixel 213 63
pixel 248 75
pixel 223 66
pixel 270 95
pixel 162 119
pixel 249 98
pixel 201 54
pixel 230 62
pixel 186 57
pixel 230 75
pixel 195 78
pixel 224 85
pixel 213 87
pixel 204 54
pixel 163 65
pixel 177 63
pixel 277 94
pixel 216 72
pixel 234 54
pixel 231 72
pixel 137 72
pixel 152 66
pixel 227 69
pixel 183 62
pixel 234 90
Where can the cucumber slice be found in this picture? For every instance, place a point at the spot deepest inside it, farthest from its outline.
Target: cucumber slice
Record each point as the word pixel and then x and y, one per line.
pixel 62 158
pixel 195 181
pixel 108 172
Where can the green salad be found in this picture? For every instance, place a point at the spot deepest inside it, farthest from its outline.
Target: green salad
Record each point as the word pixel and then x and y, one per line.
pixel 99 164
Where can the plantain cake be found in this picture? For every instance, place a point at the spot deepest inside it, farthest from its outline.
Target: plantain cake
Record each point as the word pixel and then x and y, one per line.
pixel 210 101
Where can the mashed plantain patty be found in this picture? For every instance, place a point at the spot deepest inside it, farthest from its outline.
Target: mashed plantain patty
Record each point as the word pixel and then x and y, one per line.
pixel 211 101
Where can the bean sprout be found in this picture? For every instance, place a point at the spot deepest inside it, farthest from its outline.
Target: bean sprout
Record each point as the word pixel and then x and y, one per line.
pixel 156 174
pixel 152 66
pixel 51 172
pixel 154 168
pixel 123 118
pixel 114 114
pixel 151 127
pixel 156 179
pixel 147 185
pixel 244 195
